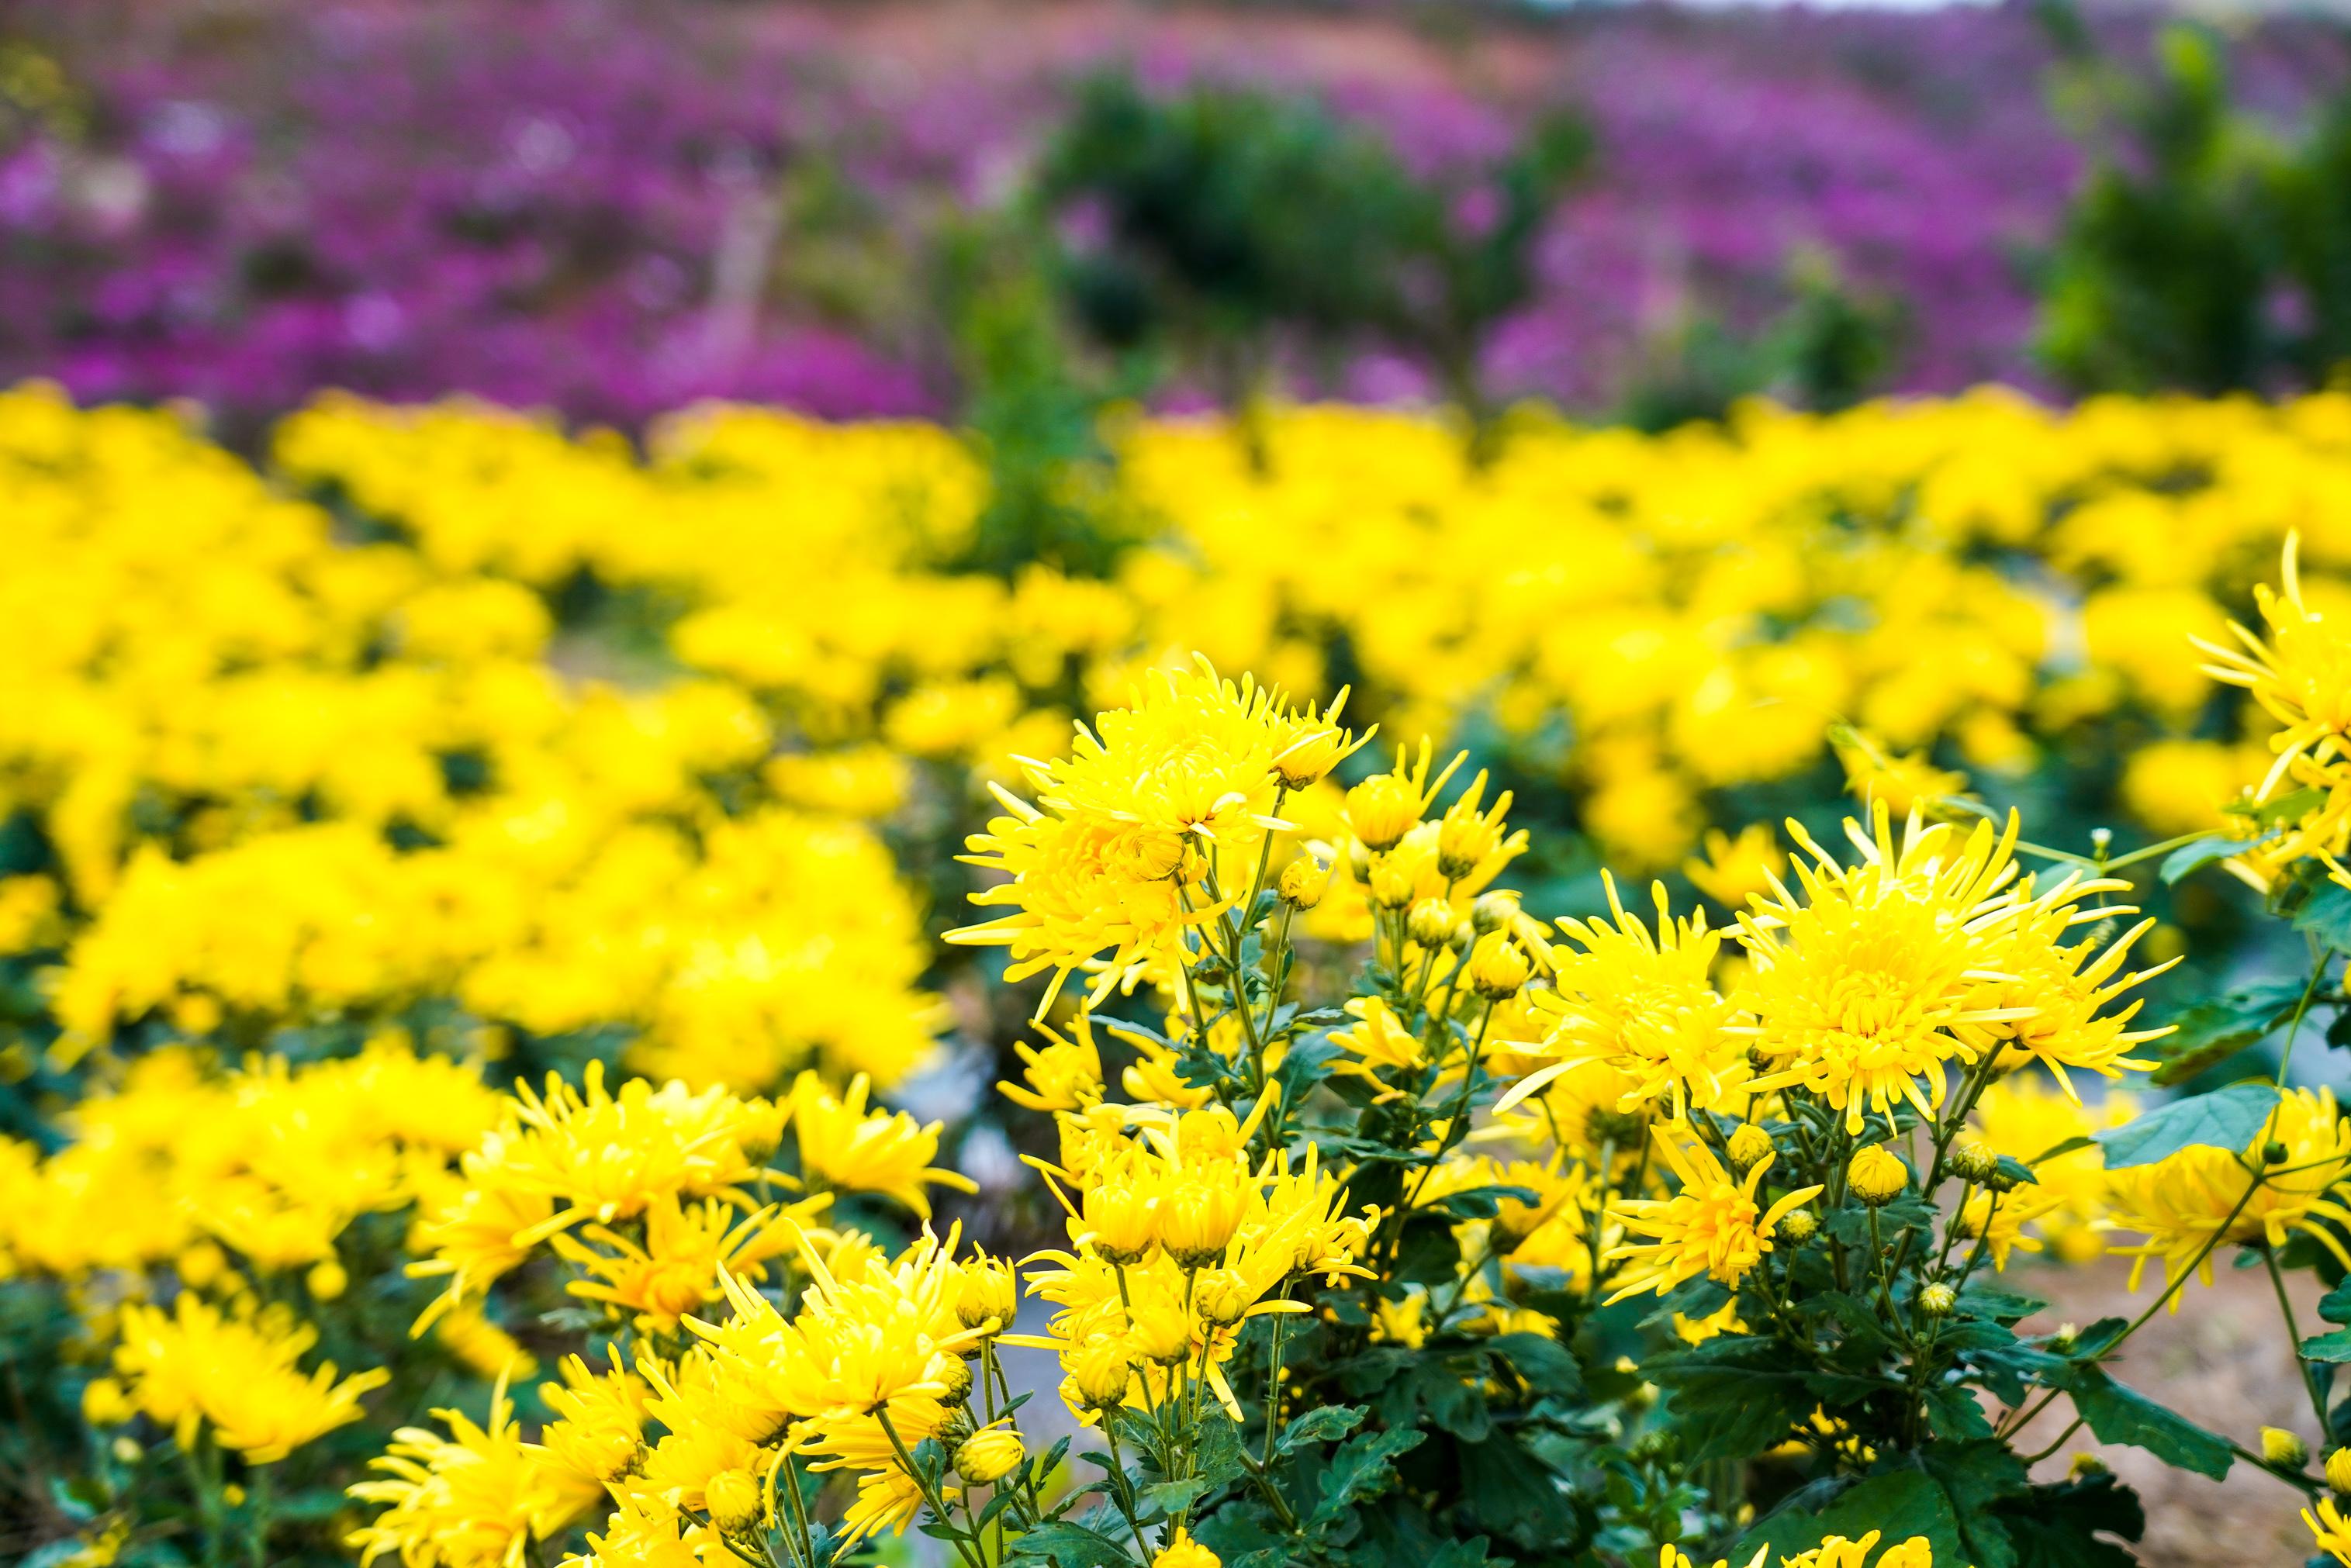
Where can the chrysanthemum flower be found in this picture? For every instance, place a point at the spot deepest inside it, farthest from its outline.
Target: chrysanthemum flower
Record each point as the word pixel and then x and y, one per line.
pixel 1644 1003
pixel 2330 1531
pixel 2066 987
pixel 234 1373
pixel 845 1148
pixel 1065 1074
pixel 2183 1205
pixel 599 1425
pixel 1865 986
pixel 475 1499
pixel 1714 1226
pixel 675 1269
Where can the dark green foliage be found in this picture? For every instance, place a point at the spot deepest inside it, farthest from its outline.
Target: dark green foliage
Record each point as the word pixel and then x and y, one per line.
pixel 2205 252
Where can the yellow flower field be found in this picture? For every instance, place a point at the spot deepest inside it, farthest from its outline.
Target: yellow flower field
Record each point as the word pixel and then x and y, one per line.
pixel 470 894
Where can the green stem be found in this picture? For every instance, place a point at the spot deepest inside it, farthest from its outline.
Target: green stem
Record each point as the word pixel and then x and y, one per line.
pixel 2293 1338
pixel 930 1493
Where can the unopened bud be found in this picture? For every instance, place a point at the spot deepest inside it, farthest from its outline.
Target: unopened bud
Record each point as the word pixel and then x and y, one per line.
pixel 1748 1148
pixel 2274 1152
pixel 733 1498
pixel 1938 1300
pixel 1391 888
pixel 2338 1470
pixel 1303 882
pixel 1430 923
pixel 1497 966
pixel 1973 1160
pixel 1493 910
pixel 1798 1226
pixel 2283 1449
pixel 1876 1176
pixel 989 1456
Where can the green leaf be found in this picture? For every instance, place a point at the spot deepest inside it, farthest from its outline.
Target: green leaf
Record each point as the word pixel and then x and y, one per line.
pixel 1361 1469
pixel 1511 1491
pixel 2326 915
pixel 2118 1414
pixel 2018 1173
pixel 2291 807
pixel 2227 1118
pixel 1481 1202
pixel 1911 1500
pixel 2212 1031
pixel 1733 1397
pixel 2193 857
pixel 2336 1305
pixel 1069 1545
pixel 1323 1424
pixel 1541 1363
pixel 2060 1526
pixel 2331 1347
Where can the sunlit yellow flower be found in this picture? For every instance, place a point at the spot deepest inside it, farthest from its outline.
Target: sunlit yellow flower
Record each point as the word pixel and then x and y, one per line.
pixel 475 1499
pixel 235 1374
pixel 2187 1205
pixel 845 1148
pixel 1713 1225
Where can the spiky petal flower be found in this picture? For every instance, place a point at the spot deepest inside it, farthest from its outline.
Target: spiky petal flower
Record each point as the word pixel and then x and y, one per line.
pixel 1714 1226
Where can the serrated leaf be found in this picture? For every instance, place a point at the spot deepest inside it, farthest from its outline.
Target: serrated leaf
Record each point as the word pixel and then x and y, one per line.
pixel 2227 1118
pixel 1323 1424
pixel 2329 1347
pixel 1541 1363
pixel 1361 1469
pixel 1733 1397
pixel 2119 1414
pixel 2211 1031
pixel 2336 1305
pixel 1067 1545
pixel 1904 1502
pixel 2063 1526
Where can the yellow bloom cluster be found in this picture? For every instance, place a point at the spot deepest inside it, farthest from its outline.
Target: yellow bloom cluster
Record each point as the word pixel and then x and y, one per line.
pixel 1696 611
pixel 376 754
pixel 269 1162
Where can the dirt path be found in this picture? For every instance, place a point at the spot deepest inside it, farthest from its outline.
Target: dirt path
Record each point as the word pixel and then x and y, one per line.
pixel 2222 1360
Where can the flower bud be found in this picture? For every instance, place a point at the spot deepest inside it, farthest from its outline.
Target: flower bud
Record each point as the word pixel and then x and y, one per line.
pixel 1798 1226
pixel 1391 887
pixel 1359 861
pixel 1748 1148
pixel 2338 1470
pixel 2274 1152
pixel 1973 1160
pixel 1876 1175
pixel 1221 1297
pixel 953 1373
pixel 988 1295
pixel 1305 761
pixel 1464 838
pixel 733 1498
pixel 326 1280
pixel 1938 1300
pixel 1100 1374
pixel 2085 1465
pixel 2283 1449
pixel 1493 910
pixel 1303 882
pixel 1159 1332
pixel 1430 923
pixel 1120 1223
pixel 1382 810
pixel 104 1403
pixel 1497 966
pixel 989 1456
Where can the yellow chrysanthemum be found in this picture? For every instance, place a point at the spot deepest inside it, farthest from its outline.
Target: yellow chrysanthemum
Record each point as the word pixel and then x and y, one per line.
pixel 1865 986
pixel 2187 1205
pixel 1713 1225
pixel 235 1373
pixel 1643 1002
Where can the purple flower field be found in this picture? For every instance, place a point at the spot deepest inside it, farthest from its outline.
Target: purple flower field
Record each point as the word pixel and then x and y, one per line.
pixel 613 208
